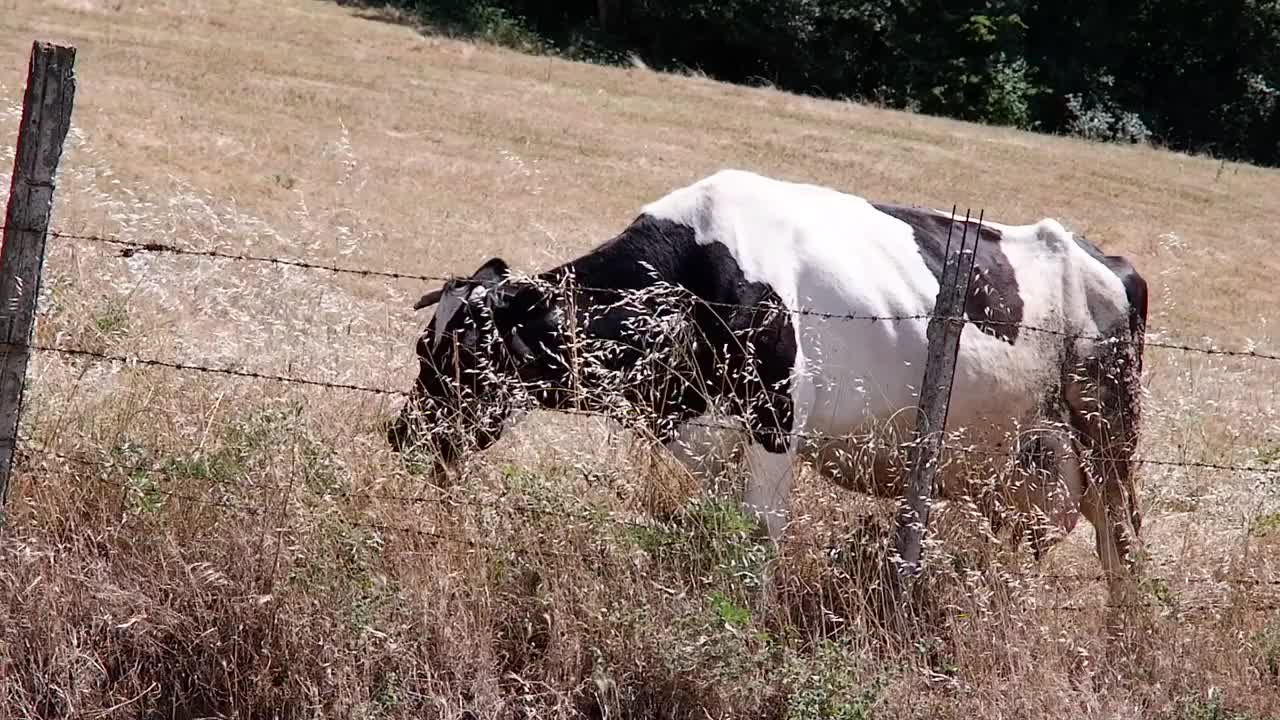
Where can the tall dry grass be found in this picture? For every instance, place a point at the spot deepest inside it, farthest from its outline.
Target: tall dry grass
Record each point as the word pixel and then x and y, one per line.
pixel 179 545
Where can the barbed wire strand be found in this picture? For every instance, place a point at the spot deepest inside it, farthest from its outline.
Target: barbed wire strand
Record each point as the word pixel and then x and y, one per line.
pixel 285 379
pixel 442 497
pixel 133 247
pixel 190 367
pixel 255 511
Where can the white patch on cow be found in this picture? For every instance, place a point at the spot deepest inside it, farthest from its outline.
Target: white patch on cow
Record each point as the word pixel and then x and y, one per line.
pixel 826 251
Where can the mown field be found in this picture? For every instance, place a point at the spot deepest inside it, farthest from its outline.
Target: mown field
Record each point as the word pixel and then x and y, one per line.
pixel 191 545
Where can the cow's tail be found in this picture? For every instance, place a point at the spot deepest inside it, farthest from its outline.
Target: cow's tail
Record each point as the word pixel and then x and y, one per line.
pixel 1129 390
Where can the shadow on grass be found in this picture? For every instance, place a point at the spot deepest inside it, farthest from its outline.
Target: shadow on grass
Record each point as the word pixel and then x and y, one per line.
pixel 481 21
pixel 391 13
pixel 462 19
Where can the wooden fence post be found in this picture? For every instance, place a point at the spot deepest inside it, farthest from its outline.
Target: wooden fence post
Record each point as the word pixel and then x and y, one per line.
pixel 46 118
pixel 945 327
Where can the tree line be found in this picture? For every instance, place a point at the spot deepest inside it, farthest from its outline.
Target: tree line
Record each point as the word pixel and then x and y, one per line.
pixel 1194 75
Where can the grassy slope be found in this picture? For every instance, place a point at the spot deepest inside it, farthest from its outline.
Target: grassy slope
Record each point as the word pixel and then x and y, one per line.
pixel 259 568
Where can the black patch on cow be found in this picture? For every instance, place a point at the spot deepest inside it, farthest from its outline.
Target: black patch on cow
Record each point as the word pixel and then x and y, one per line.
pixel 994 304
pixel 746 346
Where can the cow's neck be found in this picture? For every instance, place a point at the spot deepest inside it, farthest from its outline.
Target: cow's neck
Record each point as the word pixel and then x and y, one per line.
pixel 648 253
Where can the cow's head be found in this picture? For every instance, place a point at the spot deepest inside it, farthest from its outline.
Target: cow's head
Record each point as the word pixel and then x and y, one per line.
pixel 489 337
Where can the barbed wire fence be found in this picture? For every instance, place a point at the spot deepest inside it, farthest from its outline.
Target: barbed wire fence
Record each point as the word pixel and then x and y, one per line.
pixel 241 507
pixel 26 231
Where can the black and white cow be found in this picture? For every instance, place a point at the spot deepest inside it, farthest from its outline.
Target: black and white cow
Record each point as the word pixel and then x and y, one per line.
pixel 1048 367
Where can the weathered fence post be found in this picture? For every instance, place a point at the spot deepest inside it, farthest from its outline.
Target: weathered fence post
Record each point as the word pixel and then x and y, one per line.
pixel 944 331
pixel 46 118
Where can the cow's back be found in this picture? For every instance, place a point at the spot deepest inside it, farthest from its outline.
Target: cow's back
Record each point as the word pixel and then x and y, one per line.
pixel 865 277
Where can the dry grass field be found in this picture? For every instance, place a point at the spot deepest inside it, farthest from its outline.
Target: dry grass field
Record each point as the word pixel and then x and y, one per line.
pixel 243 549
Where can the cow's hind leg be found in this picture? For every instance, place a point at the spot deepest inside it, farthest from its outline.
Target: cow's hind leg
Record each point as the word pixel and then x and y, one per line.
pixel 1105 516
pixel 1048 487
pixel 1104 403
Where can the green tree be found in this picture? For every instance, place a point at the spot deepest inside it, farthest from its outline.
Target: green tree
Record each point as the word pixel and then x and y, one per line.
pixel 1195 75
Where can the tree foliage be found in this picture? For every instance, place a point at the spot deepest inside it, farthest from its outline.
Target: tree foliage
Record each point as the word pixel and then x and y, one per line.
pixel 1192 75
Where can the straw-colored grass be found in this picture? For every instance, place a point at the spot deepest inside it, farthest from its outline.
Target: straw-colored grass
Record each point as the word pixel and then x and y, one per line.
pixel 271 558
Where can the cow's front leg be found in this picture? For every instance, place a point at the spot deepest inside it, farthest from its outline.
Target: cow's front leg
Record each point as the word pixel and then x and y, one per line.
pixel 768 500
pixel 767 496
pixel 703 448
pixel 770 461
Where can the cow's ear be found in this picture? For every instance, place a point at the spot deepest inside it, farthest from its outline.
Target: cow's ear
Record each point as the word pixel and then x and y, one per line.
pixel 494 271
pixel 452 298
